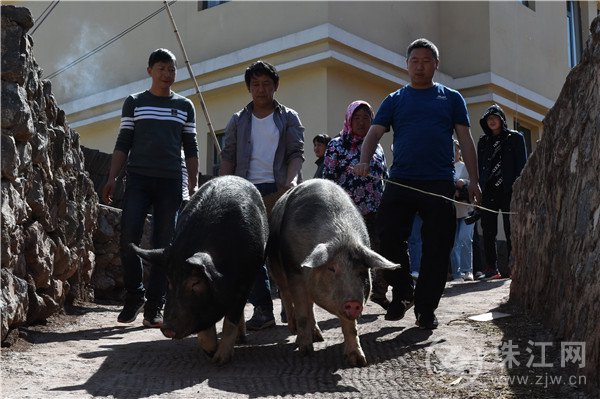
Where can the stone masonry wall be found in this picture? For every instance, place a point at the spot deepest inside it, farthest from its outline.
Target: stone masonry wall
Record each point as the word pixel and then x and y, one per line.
pixel 49 207
pixel 556 234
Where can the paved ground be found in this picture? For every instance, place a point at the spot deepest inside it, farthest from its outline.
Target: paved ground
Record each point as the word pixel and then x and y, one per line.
pixel 89 355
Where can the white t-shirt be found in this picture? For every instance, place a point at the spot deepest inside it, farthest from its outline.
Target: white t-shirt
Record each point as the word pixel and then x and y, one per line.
pixel 264 139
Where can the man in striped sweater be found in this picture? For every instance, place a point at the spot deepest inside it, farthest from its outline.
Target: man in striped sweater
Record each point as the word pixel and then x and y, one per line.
pixel 155 125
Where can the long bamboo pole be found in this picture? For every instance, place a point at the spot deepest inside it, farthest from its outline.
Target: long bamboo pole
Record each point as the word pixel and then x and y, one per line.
pixel 189 67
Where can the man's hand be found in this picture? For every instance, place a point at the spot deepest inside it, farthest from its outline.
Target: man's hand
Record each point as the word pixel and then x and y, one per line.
pixel 108 190
pixel 474 193
pixel 361 169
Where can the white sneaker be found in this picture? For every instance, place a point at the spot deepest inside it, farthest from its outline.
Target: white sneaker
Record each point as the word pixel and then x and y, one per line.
pixel 457 280
pixel 415 275
pixel 469 277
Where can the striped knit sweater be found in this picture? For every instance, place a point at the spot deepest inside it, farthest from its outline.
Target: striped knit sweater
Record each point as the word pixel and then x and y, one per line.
pixel 154 130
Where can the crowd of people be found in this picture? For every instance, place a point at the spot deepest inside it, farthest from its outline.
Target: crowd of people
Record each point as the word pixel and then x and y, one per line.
pixel 431 237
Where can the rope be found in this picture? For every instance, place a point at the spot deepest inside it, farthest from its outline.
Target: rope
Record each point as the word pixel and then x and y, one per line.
pixel 441 196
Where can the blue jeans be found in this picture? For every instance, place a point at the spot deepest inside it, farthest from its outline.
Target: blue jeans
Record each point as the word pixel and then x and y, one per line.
pixel 461 257
pixel 260 296
pixel 415 244
pixel 141 194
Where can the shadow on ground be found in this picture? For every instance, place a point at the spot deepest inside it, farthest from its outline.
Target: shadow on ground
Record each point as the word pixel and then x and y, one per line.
pixel 267 365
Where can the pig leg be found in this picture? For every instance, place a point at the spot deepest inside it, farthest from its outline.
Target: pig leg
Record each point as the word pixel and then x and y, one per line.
pixel 288 305
pixel 317 336
pixel 283 284
pixel 355 357
pixel 208 340
pixel 224 352
pixel 241 331
pixel 308 331
pixel 304 317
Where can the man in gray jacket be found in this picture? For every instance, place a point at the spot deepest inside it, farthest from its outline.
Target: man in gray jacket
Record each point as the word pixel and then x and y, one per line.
pixel 264 143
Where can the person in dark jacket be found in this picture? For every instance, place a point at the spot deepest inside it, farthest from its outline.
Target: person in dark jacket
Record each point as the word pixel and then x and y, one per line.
pixel 501 157
pixel 320 142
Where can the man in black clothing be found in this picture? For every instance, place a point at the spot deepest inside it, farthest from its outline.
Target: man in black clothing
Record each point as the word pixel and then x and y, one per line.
pixel 502 156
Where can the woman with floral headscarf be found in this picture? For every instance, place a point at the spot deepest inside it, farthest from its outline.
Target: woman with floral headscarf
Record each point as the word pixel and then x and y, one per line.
pixel 343 152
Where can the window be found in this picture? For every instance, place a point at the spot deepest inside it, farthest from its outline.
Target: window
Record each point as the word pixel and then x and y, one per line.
pixel 529 4
pixel 574 32
pixel 526 134
pixel 204 5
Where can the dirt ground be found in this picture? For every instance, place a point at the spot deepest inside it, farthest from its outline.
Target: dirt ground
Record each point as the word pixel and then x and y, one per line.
pixel 87 354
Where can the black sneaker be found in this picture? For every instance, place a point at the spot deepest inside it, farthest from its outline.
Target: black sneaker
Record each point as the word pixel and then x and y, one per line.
pixel 427 321
pixel 153 318
pixel 381 301
pixel 490 274
pixel 131 309
pixel 397 309
pixel 262 318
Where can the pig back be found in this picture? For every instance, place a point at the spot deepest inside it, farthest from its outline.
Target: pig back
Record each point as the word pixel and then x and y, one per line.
pixel 314 212
pixel 226 217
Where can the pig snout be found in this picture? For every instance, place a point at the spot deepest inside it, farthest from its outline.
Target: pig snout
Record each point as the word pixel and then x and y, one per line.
pixel 353 309
pixel 167 332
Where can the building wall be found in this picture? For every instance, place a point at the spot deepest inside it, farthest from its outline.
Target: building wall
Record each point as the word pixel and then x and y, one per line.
pixel 328 54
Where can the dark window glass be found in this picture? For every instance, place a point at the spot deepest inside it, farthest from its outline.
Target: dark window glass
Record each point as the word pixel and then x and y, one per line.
pixel 203 5
pixel 526 134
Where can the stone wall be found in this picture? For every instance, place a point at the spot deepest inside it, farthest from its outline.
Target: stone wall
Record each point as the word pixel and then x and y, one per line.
pixel 49 207
pixel 556 234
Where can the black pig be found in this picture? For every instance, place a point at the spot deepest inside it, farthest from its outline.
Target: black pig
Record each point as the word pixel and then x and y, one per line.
pixel 211 263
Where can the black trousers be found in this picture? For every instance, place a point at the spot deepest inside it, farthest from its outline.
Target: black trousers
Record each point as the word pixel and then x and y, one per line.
pixel 495 199
pixel 394 221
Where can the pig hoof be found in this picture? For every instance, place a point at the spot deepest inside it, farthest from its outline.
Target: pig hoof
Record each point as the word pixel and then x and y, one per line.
pixel 305 350
pixel 292 327
pixel 222 358
pixel 221 361
pixel 241 339
pixel 355 359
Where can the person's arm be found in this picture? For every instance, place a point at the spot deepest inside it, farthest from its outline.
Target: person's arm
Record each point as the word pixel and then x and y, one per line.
pixel 116 165
pixel 228 153
pixel 226 168
pixel 294 167
pixel 294 142
pixel 368 149
pixel 192 167
pixel 467 146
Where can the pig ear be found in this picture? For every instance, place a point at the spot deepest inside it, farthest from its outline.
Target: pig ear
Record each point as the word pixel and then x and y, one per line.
pixel 202 263
pixel 156 257
pixel 375 261
pixel 317 257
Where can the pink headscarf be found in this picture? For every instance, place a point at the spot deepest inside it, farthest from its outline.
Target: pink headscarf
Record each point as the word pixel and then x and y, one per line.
pixel 346 132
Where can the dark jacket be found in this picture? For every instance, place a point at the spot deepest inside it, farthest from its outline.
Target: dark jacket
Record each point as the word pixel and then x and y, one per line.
pixel 320 166
pixel 514 153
